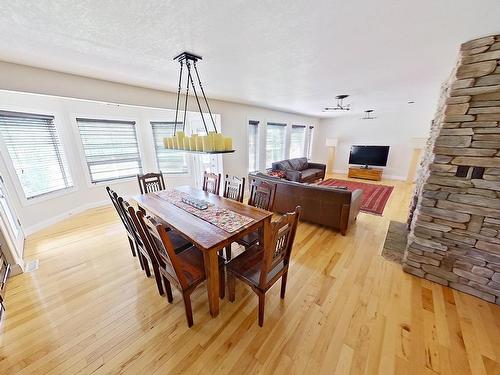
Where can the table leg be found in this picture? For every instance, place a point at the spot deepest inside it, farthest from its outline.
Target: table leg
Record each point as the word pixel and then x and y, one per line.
pixel 212 272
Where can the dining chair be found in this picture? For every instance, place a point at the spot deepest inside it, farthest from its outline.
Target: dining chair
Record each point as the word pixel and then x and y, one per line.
pixel 131 239
pixel 185 270
pixel 211 182
pixel 261 196
pixel 151 182
pixel 234 188
pixel 261 268
pixel 143 246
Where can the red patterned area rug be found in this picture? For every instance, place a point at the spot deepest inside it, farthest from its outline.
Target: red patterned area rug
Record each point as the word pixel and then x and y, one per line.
pixel 375 197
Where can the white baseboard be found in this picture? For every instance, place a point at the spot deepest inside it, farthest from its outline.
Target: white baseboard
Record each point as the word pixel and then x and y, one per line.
pixel 55 219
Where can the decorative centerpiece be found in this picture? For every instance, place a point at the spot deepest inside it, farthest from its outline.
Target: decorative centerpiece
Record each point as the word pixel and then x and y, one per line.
pixel 211 143
pixel 200 204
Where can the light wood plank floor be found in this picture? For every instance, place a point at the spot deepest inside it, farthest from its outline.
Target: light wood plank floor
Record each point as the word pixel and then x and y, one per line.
pixel 89 309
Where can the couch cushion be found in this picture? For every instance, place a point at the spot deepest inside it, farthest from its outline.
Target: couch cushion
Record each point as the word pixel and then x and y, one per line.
pixel 295 163
pixel 303 163
pixel 298 164
pixel 282 165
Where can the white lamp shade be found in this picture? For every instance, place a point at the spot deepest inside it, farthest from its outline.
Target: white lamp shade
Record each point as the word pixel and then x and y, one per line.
pixel 332 142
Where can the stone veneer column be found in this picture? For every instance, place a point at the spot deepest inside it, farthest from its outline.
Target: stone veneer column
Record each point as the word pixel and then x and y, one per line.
pixel 455 228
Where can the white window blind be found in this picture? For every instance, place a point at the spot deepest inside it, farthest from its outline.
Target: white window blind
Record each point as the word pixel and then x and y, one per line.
pixel 253 146
pixel 169 161
pixel 111 148
pixel 275 143
pixel 36 153
pixel 310 142
pixel 297 141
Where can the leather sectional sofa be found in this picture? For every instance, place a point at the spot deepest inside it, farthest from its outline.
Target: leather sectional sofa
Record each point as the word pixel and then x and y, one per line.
pixel 300 170
pixel 325 205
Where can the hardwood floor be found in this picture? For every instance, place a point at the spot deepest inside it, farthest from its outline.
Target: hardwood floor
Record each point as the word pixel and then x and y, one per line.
pixel 89 309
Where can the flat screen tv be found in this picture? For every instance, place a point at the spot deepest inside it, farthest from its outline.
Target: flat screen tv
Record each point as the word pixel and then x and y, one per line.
pixel 369 155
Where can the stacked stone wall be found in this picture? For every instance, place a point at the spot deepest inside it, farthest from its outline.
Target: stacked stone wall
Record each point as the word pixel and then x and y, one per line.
pixel 455 226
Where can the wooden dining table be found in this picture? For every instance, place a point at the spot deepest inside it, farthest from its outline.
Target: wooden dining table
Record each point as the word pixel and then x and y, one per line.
pixel 205 236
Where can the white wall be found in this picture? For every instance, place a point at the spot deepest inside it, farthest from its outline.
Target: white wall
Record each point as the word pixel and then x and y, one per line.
pixel 394 129
pixel 20 78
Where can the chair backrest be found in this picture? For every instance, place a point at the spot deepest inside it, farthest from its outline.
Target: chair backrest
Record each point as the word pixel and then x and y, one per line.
pixel 138 232
pixel 211 182
pixel 114 199
pixel 151 182
pixel 262 195
pixel 163 249
pixel 234 188
pixel 278 243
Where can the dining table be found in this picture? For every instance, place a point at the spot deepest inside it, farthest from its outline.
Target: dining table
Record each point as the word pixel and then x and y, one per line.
pixel 205 235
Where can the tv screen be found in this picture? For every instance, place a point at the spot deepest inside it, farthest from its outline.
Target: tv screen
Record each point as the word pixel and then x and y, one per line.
pixel 369 155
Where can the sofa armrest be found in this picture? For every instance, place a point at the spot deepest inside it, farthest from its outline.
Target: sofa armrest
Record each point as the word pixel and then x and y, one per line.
pixel 293 175
pixel 318 166
pixel 356 199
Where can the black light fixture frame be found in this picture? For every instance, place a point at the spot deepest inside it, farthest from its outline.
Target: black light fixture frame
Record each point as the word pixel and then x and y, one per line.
pixel 340 104
pixel 190 59
pixel 368 116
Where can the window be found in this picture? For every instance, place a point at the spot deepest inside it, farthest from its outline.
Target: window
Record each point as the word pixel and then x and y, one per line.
pixel 36 153
pixel 169 161
pixel 275 143
pixel 310 142
pixel 297 141
pixel 253 146
pixel 111 148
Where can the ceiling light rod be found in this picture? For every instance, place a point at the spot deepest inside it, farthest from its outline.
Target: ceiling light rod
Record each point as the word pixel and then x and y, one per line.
pixel 190 59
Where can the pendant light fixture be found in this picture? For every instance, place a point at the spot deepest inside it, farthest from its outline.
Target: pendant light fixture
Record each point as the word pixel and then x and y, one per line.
pixel 368 115
pixel 211 143
pixel 340 104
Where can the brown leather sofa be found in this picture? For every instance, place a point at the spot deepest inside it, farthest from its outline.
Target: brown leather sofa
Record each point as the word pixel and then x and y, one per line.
pixel 300 170
pixel 324 205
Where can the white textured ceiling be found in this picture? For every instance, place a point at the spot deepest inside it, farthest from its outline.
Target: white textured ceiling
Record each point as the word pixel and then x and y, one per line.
pixel 294 55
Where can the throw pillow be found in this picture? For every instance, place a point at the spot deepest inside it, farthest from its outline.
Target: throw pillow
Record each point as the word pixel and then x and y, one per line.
pixel 279 174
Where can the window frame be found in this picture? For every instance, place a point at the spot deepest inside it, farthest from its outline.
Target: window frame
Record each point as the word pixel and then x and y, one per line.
pixel 309 141
pixel 83 160
pixel 257 144
pixel 11 171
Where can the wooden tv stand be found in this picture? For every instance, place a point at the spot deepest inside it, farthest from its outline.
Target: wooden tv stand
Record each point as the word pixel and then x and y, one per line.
pixel 365 173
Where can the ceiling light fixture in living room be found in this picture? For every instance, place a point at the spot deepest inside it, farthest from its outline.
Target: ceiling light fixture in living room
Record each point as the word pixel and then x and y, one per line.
pixel 340 104
pixel 368 115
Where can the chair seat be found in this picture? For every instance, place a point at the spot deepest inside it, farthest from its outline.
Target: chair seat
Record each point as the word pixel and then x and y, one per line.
pixel 192 264
pixel 248 265
pixel 249 239
pixel 178 242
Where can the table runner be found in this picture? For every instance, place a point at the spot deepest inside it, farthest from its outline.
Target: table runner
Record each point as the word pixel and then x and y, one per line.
pixel 222 218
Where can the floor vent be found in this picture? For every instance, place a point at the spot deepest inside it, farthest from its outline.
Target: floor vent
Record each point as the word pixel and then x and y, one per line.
pixel 31 266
